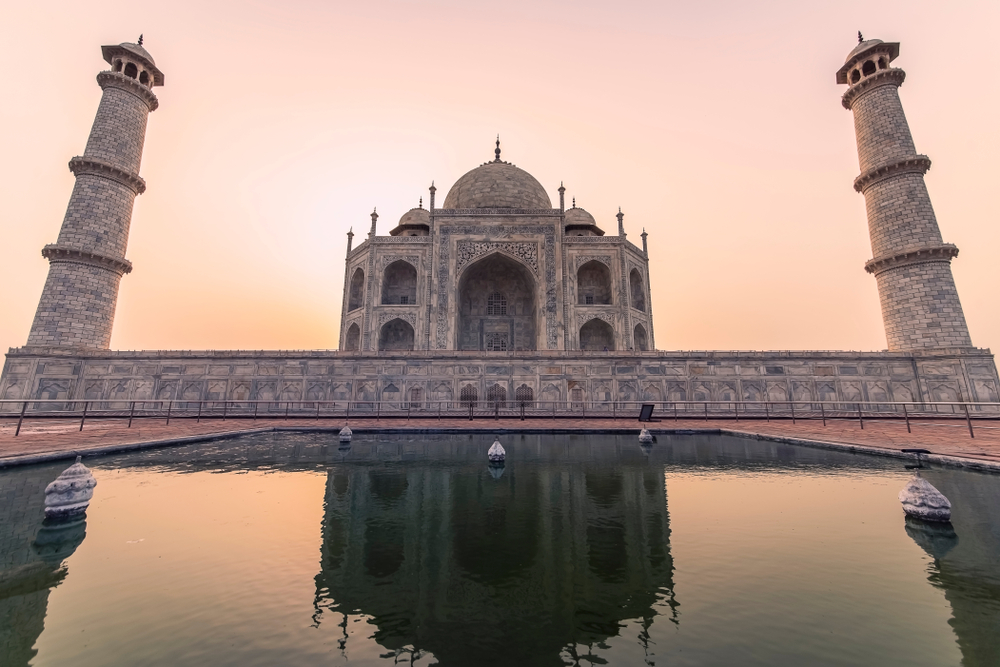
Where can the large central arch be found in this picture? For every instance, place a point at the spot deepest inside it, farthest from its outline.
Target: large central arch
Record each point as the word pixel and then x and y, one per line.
pixel 496 306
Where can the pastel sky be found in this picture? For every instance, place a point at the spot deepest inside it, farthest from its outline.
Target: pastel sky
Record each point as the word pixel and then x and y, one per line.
pixel 715 125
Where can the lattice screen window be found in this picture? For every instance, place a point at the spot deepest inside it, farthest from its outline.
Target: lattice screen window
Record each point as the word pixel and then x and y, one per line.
pixel 404 299
pixel 496 342
pixel 496 304
pixel 497 395
pixel 469 396
pixel 590 299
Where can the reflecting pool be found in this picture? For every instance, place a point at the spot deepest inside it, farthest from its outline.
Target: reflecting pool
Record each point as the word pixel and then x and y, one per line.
pixel 699 550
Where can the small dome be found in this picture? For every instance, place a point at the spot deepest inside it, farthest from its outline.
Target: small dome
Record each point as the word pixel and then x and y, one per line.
pixel 415 222
pixel 497 185
pixel 415 216
pixel 578 216
pixel 863 46
pixel 136 52
pixel 139 51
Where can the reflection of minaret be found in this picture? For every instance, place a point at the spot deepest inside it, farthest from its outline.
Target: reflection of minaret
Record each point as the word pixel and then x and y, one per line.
pixel 965 561
pixel 31 558
pixel 434 553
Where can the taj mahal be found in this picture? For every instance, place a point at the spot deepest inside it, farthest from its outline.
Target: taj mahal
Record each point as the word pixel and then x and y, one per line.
pixel 498 291
pixel 512 273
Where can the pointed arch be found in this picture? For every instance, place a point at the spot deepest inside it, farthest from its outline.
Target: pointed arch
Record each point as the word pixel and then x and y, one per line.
pixel 497 396
pixel 597 335
pixel 497 308
pixel 637 290
pixel 639 336
pixel 352 341
pixel 524 395
pixel 396 334
pixel 593 284
pixel 356 292
pixel 399 283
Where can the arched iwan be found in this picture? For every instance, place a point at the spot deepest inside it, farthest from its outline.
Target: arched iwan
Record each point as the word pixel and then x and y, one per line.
pixel 496 306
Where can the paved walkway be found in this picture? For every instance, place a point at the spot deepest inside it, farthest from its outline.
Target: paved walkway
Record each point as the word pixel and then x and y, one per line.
pixel 947 439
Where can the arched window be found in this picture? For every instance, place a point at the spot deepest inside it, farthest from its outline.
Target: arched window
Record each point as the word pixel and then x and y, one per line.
pixel 855 76
pixel 497 342
pixel 593 283
pixel 469 396
pixel 868 68
pixel 399 283
pixel 131 71
pixel 524 395
pixel 496 304
pixel 638 294
pixel 881 63
pixel 352 342
pixel 356 294
pixel 144 78
pixel 117 66
pixel 497 396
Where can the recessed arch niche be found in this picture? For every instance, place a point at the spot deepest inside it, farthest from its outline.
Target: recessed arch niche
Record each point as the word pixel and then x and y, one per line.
pixel 496 306
pixel 399 283
pixel 396 334
pixel 356 295
pixel 593 283
pixel 636 290
pixel 352 342
pixel 597 335
pixel 641 341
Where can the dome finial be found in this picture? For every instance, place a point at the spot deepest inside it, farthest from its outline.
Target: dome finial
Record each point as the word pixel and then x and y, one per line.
pixel 860 38
pixel 574 202
pixel 421 205
pixel 497 151
pixel 140 40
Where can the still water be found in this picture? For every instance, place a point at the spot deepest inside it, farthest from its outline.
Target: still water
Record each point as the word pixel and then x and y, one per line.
pixel 703 550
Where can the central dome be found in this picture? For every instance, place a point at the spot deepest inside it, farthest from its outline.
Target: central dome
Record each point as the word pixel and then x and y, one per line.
pixel 497 185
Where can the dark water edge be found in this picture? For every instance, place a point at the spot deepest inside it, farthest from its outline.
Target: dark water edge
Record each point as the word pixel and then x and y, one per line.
pixel 583 549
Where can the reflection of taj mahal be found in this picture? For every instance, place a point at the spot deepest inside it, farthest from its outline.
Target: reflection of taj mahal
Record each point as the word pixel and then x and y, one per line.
pixel 497 268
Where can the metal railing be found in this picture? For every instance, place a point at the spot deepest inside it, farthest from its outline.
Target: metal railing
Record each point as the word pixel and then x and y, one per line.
pixel 471 409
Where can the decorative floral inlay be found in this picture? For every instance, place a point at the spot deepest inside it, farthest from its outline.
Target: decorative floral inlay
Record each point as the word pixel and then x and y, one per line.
pixel 467 251
pixel 583 259
pixel 583 318
pixel 384 317
pixel 386 260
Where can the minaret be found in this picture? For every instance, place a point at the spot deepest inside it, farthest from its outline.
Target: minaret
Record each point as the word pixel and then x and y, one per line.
pixel 920 306
pixel 86 263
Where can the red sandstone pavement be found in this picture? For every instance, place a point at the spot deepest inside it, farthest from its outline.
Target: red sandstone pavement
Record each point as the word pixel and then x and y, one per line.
pixel 943 437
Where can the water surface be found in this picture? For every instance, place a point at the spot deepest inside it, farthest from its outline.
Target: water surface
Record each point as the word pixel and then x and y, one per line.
pixel 702 550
